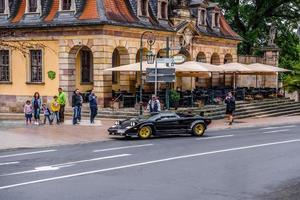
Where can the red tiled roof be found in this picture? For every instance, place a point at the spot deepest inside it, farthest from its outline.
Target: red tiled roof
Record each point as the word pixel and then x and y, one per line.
pixel 226 29
pixel 53 11
pixel 20 12
pixel 118 10
pixel 90 10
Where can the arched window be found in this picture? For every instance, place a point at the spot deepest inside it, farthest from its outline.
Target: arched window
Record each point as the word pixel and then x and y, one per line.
pixel 201 57
pixel 115 63
pixel 164 10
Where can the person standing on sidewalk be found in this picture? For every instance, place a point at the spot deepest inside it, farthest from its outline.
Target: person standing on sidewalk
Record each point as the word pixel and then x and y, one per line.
pixel 93 106
pixel 62 104
pixel 55 107
pixel 28 112
pixel 230 107
pixel 47 114
pixel 36 105
pixel 76 103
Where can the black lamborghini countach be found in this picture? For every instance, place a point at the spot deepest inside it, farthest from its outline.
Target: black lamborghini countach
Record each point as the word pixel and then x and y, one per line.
pixel 161 124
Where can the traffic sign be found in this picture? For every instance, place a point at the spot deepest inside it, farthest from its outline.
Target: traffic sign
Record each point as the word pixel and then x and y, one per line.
pixel 166 75
pixel 164 60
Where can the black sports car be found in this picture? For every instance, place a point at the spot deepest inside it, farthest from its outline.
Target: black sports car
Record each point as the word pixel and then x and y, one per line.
pixel 161 124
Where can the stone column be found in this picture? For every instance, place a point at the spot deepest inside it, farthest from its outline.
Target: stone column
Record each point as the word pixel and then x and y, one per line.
pixel 67 68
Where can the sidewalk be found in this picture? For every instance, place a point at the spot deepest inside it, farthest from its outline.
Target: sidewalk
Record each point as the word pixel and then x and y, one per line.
pixel 19 136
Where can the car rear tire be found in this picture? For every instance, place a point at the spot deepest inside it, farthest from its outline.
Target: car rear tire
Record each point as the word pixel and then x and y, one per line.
pixel 145 132
pixel 198 129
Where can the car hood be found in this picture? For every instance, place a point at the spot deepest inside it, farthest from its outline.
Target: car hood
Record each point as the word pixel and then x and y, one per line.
pixel 128 122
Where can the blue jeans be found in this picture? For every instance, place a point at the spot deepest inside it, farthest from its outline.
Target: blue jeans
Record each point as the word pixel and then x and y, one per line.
pixel 56 115
pixel 79 113
pixel 75 114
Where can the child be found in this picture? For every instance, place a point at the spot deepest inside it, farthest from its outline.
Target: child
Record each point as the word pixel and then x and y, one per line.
pixel 28 112
pixel 47 113
pixel 55 108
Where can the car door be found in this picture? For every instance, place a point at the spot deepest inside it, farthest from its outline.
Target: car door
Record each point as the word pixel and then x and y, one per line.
pixel 167 124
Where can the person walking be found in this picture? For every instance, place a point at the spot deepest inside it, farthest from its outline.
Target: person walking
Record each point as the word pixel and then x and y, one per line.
pixel 62 104
pixel 154 105
pixel 230 107
pixel 47 114
pixel 55 107
pixel 76 103
pixel 36 105
pixel 28 112
pixel 93 106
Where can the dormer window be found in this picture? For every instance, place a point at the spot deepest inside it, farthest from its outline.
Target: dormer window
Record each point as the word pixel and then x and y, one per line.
pixel 66 4
pixel 202 17
pixel 143 8
pixel 217 20
pixel 32 5
pixel 2 6
pixel 163 10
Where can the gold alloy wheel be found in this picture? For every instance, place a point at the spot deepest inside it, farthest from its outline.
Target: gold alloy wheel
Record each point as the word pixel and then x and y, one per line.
pixel 145 132
pixel 199 129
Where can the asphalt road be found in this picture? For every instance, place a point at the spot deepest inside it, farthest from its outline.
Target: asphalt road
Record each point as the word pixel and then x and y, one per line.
pixel 253 163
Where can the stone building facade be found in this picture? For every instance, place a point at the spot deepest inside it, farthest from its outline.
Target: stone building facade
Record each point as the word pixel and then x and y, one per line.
pixel 76 40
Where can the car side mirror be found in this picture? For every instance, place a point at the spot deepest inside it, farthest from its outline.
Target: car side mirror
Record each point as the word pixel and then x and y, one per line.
pixel 158 119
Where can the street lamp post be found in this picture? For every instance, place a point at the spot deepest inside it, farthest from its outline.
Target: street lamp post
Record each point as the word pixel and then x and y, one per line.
pixel 150 60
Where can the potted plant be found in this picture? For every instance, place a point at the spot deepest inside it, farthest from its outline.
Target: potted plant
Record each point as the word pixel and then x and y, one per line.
pixel 174 98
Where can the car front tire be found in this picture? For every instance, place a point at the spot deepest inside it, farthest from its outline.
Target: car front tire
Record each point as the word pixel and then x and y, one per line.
pixel 198 129
pixel 145 132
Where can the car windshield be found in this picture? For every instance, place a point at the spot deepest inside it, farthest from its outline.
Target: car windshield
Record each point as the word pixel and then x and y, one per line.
pixel 163 115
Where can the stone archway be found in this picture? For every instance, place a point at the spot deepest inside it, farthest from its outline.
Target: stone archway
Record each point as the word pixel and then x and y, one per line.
pixel 137 57
pixel 84 69
pixel 162 53
pixel 70 67
pixel 120 80
pixel 201 57
pixel 228 58
pixel 186 53
pixel 215 59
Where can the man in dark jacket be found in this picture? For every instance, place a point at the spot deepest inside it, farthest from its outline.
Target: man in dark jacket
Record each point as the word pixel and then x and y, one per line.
pixel 76 104
pixel 230 107
pixel 93 106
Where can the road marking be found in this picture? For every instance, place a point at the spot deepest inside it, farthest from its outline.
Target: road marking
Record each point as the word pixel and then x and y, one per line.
pixel 9 163
pixel 62 165
pixel 278 127
pixel 125 147
pixel 27 153
pixel 215 137
pixel 277 131
pixel 146 163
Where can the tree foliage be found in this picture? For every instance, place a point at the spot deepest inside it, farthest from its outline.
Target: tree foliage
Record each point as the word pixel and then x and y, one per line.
pixel 252 19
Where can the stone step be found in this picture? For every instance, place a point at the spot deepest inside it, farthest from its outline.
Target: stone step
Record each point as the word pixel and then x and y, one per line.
pixel 252 109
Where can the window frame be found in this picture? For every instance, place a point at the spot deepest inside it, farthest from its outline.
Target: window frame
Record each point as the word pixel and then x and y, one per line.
pixel 9 67
pixel 30 78
pixel 29 6
pixel 90 70
pixel 4 7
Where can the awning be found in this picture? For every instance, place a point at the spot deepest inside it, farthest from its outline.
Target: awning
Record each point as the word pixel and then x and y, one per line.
pixel 191 66
pixel 235 67
pixel 258 67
